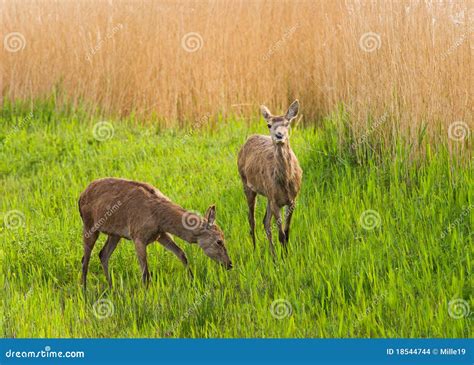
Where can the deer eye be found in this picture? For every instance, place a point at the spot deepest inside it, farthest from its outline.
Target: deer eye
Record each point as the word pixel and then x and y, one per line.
pixel 269 126
pixel 220 243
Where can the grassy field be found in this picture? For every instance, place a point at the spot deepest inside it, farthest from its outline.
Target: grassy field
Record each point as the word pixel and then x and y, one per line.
pixel 380 246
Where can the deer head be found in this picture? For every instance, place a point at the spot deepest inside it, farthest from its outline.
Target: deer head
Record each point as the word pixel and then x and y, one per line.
pixel 279 125
pixel 211 239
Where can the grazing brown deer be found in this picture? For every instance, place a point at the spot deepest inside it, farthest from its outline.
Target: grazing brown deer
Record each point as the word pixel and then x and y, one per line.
pixel 137 211
pixel 268 166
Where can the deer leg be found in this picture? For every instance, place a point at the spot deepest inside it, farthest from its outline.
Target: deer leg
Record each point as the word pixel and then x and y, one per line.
pixel 289 213
pixel 281 235
pixel 140 248
pixel 106 252
pixel 251 198
pixel 267 223
pixel 89 238
pixel 167 242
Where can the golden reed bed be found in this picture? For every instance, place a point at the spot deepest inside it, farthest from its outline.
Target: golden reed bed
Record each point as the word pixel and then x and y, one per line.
pixel 180 61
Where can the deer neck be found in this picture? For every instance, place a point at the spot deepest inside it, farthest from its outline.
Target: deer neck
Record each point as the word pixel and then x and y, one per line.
pixel 172 220
pixel 283 163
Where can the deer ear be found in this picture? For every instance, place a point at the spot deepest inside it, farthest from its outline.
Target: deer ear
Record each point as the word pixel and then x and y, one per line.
pixel 292 110
pixel 265 112
pixel 211 215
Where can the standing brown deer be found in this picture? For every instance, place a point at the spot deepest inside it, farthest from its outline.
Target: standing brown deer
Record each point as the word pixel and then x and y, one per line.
pixel 138 211
pixel 268 166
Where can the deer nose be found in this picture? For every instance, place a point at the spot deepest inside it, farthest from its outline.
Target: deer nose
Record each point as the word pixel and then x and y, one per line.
pixel 229 266
pixel 279 135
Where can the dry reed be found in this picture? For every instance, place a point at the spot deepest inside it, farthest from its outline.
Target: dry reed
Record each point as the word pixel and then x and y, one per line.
pixel 181 60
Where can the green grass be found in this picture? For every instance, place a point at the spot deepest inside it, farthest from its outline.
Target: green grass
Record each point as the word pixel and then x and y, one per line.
pixel 340 279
